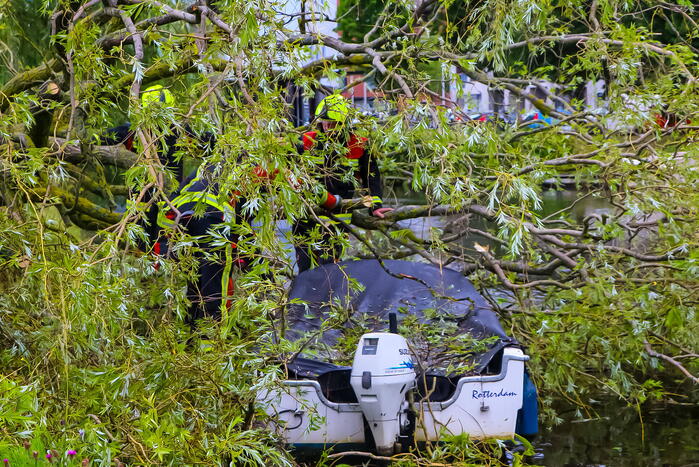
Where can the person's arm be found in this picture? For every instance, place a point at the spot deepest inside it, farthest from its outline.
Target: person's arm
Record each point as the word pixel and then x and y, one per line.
pixel 327 200
pixel 205 141
pixel 370 176
pixel 167 151
pixel 121 134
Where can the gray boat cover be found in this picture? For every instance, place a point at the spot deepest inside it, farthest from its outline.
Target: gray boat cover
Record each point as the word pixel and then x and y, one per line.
pixel 453 329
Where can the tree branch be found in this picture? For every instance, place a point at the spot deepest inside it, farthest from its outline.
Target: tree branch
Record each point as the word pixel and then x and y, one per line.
pixel 80 204
pixel 107 155
pixel 678 365
pixel 26 80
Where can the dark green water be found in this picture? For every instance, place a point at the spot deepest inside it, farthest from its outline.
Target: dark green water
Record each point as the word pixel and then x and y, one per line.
pixel 669 436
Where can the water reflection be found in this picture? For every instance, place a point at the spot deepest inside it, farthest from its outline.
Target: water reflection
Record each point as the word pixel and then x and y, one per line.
pixel 668 437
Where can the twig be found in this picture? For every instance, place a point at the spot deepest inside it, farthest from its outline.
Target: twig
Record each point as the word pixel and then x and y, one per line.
pixel 137 40
pixel 209 91
pixel 653 353
pixel 381 458
pixel 384 71
pixel 495 267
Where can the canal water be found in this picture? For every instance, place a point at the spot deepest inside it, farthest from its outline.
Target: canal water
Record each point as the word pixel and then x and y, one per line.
pixel 667 435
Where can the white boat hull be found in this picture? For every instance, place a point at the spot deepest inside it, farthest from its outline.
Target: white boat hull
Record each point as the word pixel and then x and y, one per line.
pixel 481 406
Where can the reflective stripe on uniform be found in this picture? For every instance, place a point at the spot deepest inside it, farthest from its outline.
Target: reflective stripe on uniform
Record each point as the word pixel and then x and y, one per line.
pixel 353 163
pixel 318 160
pixel 165 223
pixel 162 220
pixel 376 200
pixel 198 197
pixel 226 298
pixel 344 217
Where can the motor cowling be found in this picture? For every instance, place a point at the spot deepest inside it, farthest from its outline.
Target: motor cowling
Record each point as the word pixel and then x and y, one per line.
pixel 382 374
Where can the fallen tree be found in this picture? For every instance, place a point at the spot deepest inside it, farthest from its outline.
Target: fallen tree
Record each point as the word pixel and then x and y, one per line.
pixel 604 296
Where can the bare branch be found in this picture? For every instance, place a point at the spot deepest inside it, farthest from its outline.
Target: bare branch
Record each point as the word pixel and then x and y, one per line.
pixel 137 40
pixel 173 15
pixel 570 160
pixel 678 365
pixel 384 71
pixel 80 11
pixel 494 265
pixel 581 38
pixel 216 20
pixel 108 155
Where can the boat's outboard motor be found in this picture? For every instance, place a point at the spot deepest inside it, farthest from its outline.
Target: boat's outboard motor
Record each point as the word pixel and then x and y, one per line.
pixel 382 374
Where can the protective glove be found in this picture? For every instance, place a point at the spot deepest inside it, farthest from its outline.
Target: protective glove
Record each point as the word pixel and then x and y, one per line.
pixel 331 201
pixel 381 212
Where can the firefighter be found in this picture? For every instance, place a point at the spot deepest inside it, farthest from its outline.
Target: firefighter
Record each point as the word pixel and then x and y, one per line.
pixel 168 146
pixel 167 150
pixel 344 163
pixel 199 209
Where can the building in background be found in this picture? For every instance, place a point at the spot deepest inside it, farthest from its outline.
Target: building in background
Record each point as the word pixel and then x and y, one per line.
pixel 458 92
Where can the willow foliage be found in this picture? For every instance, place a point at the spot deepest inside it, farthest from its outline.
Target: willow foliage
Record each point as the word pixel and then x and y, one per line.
pixel 94 352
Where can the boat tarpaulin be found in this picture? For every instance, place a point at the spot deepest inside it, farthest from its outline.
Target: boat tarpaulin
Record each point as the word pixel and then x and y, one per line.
pixel 453 328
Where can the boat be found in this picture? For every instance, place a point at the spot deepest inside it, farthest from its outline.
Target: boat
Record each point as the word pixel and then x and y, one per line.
pixel 430 360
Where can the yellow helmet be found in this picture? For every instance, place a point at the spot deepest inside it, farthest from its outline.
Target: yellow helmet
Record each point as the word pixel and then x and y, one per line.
pixel 157 93
pixel 333 107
